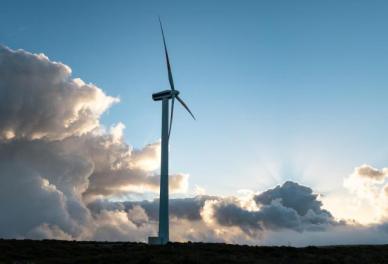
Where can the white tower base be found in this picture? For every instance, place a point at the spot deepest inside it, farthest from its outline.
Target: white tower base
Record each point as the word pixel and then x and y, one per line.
pixel 163 236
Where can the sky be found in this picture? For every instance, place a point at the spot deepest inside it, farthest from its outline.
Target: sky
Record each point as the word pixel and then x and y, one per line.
pixel 282 90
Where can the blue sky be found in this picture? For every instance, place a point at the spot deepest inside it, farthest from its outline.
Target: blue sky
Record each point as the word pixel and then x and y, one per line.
pixel 281 89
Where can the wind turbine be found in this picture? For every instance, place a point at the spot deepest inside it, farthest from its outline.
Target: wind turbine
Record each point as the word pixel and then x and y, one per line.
pixel 165 96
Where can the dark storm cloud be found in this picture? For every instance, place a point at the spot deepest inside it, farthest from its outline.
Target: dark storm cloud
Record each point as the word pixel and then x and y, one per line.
pixel 290 206
pixel 294 196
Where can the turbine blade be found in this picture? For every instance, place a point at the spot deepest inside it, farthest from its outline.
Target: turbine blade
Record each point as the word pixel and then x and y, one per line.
pixel 185 106
pixel 171 116
pixel 170 79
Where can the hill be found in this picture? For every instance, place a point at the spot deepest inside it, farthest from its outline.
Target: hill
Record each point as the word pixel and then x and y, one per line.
pixel 54 251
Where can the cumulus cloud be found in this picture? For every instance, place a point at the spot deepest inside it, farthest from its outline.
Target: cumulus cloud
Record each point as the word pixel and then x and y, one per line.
pixel 46 231
pixel 234 219
pixel 275 219
pixel 292 195
pixel 366 180
pixel 182 208
pixel 27 200
pixel 290 206
pixel 369 186
pixel 371 173
pixel 40 99
pixel 55 157
pixel 62 174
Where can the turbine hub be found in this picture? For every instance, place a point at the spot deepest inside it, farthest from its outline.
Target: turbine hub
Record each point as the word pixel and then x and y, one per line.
pixel 167 94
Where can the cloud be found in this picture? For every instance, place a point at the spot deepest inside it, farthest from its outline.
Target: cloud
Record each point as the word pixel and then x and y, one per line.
pixel 290 206
pixel 46 231
pixel 55 157
pixel 369 187
pixel 39 98
pixel 273 221
pixel 371 173
pixel 27 200
pixel 237 217
pixel 294 196
pixel 118 226
pixel 62 174
pixel 182 208
pixel 336 235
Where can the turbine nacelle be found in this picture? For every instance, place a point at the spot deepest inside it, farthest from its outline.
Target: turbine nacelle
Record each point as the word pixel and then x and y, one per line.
pixel 167 94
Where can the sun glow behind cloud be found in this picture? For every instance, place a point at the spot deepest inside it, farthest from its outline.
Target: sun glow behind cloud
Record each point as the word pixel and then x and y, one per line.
pixel 60 156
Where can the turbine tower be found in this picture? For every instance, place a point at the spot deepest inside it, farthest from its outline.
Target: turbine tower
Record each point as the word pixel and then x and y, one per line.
pixel 165 96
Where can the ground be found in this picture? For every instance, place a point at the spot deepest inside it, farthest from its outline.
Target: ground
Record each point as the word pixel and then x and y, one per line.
pixel 54 251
